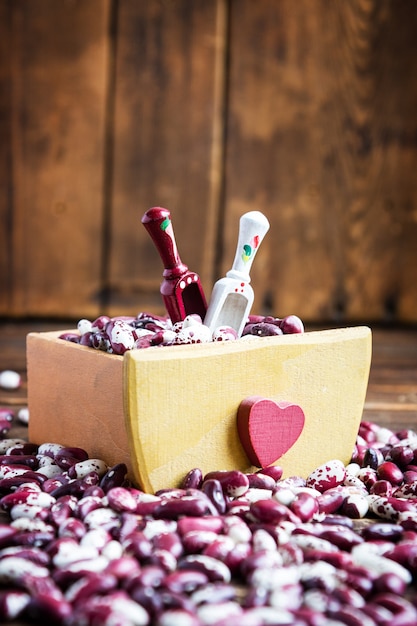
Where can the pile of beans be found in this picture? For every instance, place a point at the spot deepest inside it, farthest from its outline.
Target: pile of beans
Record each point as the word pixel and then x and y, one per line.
pixel 116 335
pixel 81 546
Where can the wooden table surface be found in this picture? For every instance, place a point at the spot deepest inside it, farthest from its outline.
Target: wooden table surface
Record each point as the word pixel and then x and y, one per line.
pixel 391 399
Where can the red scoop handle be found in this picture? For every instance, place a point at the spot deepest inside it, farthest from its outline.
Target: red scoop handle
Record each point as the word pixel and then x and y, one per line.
pixel 157 222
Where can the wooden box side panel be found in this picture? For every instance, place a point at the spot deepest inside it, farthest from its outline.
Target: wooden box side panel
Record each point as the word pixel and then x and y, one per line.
pixel 75 398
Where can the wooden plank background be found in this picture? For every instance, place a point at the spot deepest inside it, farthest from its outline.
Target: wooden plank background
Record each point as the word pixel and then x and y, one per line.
pixel 304 110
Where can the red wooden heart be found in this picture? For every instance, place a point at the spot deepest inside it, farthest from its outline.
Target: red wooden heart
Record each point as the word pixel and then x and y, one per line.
pixel 267 429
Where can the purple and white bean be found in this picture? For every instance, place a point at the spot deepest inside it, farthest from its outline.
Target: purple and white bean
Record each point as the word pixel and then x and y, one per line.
pixel 119 334
pixel 224 548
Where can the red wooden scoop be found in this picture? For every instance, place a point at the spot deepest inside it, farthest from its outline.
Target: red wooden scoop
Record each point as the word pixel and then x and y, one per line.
pixel 181 289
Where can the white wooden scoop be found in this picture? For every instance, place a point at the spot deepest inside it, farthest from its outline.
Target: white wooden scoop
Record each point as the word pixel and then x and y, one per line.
pixel 232 296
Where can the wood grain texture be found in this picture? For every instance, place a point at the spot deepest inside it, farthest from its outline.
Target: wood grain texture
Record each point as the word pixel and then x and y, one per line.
pixel 303 110
pixel 392 392
pixel 58 60
pixel 6 190
pixel 169 84
pixel 380 150
pixel 321 137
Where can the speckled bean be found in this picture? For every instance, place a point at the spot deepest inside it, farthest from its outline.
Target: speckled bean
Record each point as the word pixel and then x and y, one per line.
pixel 170 542
pixel 101 517
pixel 26 496
pixel 96 537
pixel 272 512
pixel 66 457
pixel 49 470
pixel 62 509
pixel 13 603
pixel 219 614
pixel 14 569
pixel 211 523
pixel 403 612
pixel 50 449
pixel 196 540
pixel 214 569
pixel 274 471
pixel 22 448
pixel 146 508
pixel 6 417
pixel 7 533
pixel 237 529
pixel 120 499
pixel 337 558
pixel 234 483
pixel 5 444
pixel 88 504
pixel 401 454
pixel 31 533
pixel 193 479
pixel 407 490
pixel 113 477
pixel 312 542
pixel 350 615
pixel 304 506
pixel 27 510
pixel 90 585
pixel 342 537
pixel 113 608
pixel 178 507
pixel 389 507
pixel 214 491
pixel 381 488
pixel 72 552
pixel 122 566
pixel 30 553
pixel 262 540
pixel 355 506
pixel 330 501
pixel 382 531
pixel 391 472
pixel 23 415
pixel 82 468
pixel 378 564
pixel 327 475
pixel 261 481
pixel 5 426
pixel 14 482
pixel 156 527
pixel 137 544
pixel 72 527
pixel 9 379
pixel 30 460
pixel 253 495
pixel 283 494
pixel 12 470
pixel 73 487
pixel 177 617
pixel 404 553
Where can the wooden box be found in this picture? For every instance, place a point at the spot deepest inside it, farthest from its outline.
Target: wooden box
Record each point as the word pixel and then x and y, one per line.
pixel 164 411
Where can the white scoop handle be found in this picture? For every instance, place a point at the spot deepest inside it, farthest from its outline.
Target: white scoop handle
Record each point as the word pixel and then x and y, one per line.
pixel 253 227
